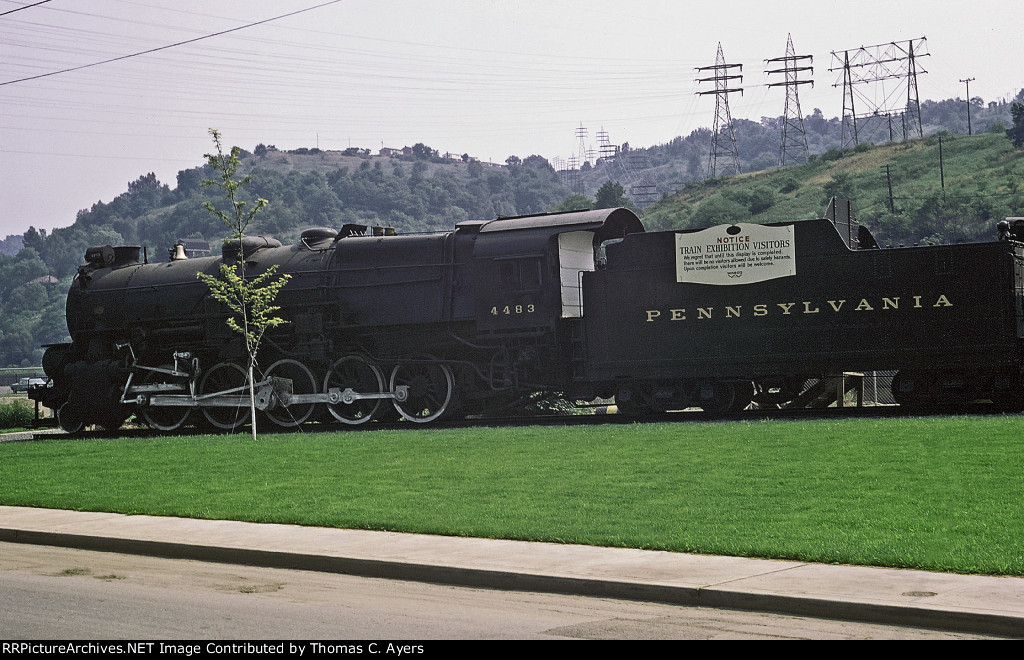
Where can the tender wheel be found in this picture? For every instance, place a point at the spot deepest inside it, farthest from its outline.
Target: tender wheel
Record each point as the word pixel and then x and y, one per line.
pixel 355 373
pixel 166 418
pixel 431 389
pixel 225 376
pixel 633 402
pixel 715 397
pixel 1005 394
pixel 303 382
pixel 914 390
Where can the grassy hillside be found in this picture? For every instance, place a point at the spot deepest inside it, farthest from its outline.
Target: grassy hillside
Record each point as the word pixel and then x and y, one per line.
pixel 983 177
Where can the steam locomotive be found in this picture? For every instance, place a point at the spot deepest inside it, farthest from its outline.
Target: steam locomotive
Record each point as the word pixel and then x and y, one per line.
pixel 582 304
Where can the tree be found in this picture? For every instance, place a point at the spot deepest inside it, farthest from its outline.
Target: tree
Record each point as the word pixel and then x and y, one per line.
pixel 422 151
pixel 35 239
pixel 251 301
pixel 144 194
pixel 189 182
pixel 611 195
pixel 1016 133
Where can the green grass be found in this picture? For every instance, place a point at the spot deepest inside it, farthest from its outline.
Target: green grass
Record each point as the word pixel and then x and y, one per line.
pixel 932 493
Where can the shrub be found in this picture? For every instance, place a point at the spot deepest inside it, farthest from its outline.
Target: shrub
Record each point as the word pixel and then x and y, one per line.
pixel 16 413
pixel 789 185
pixel 835 153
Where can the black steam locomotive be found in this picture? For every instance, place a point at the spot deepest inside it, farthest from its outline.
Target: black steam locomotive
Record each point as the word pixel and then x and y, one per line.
pixel 582 304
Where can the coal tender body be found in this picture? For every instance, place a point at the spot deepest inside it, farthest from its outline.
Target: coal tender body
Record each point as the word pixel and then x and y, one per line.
pixel 719 317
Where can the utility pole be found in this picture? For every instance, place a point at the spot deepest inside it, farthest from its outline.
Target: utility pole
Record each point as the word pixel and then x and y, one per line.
pixel 888 178
pixel 942 170
pixel 789 121
pixel 967 81
pixel 723 117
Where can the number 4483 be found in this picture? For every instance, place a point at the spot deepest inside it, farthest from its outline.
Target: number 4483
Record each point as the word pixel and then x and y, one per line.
pixel 509 310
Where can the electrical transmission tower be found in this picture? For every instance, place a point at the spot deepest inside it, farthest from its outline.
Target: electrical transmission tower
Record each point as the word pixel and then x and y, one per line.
pixel 573 180
pixel 642 189
pixel 584 154
pixel 561 168
pixel 876 65
pixel 794 138
pixel 723 118
pixel 605 149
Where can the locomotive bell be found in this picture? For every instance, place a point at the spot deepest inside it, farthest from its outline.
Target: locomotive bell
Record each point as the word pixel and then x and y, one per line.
pixel 178 252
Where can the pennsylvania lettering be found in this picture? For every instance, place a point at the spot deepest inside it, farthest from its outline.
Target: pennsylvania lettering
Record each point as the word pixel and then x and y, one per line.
pixel 864 305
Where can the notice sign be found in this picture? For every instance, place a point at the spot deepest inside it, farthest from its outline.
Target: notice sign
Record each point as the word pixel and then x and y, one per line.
pixel 735 254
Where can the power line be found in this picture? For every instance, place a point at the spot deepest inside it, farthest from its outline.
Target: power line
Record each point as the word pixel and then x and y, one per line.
pixel 34 4
pixel 175 45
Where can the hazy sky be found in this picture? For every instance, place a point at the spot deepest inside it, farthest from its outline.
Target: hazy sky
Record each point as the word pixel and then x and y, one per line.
pixel 490 78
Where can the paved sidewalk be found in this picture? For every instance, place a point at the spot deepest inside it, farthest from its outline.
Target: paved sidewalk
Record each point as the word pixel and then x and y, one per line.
pixel 25 436
pixel 977 604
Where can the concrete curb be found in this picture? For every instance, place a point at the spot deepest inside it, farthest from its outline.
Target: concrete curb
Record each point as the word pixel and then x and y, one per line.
pixel 739 593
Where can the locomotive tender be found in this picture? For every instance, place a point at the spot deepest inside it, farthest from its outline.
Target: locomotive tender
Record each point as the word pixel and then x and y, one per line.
pixel 583 304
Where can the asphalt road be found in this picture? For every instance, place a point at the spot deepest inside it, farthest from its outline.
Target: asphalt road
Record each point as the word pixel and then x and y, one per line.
pixel 54 593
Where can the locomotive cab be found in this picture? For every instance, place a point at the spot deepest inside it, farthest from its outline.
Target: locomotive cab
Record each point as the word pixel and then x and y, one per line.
pixel 528 269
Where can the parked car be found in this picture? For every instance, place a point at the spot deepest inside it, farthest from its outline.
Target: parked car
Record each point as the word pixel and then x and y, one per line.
pixel 24 383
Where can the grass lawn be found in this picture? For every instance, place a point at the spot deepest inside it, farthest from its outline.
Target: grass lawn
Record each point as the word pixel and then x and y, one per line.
pixel 933 493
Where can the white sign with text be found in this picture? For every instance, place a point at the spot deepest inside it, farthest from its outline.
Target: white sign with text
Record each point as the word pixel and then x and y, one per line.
pixel 735 254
